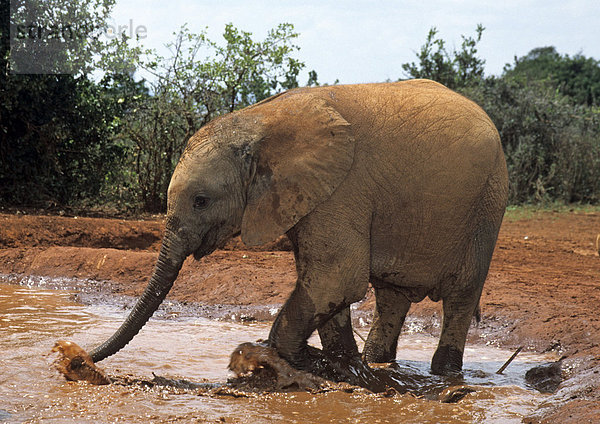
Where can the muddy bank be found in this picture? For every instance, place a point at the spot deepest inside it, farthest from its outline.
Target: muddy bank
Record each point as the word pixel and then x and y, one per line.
pixel 543 289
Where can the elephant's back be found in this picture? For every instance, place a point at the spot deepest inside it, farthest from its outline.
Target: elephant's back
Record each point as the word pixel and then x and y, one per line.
pixel 415 122
pixel 421 138
pixel 425 157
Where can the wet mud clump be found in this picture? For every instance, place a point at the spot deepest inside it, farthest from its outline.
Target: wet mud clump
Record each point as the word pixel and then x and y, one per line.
pixel 259 368
pixel 545 378
pixel 76 365
pixel 257 365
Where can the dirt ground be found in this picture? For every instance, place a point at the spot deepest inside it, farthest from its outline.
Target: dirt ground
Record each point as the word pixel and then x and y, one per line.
pixel 542 292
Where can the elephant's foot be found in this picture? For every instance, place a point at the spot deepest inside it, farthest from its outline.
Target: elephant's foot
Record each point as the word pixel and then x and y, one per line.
pixel 75 364
pixel 447 360
pixel 258 361
pixel 376 354
pixel 351 369
pixel 251 358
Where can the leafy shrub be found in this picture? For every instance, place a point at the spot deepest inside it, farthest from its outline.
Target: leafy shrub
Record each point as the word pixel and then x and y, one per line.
pixel 552 145
pixel 189 91
pixel 55 140
pixel 545 108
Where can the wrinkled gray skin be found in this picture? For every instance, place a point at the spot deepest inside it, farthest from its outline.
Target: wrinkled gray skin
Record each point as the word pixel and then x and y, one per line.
pixel 403 185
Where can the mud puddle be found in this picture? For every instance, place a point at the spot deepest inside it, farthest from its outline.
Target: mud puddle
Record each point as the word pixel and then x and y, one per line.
pixel 197 349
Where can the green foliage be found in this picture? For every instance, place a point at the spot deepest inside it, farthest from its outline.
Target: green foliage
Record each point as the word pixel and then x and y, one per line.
pixel 250 71
pixel 577 77
pixel 57 127
pixel 549 211
pixel 67 140
pixel 188 91
pixel 455 69
pixel 313 79
pixel 56 139
pixel 155 133
pixel 57 36
pixel 552 146
pixel 545 108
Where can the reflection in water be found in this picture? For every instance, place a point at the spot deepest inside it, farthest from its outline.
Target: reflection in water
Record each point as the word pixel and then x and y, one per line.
pixel 31 320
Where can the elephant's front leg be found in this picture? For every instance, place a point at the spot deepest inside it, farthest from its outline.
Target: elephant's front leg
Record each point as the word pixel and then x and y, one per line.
pixel 309 308
pixel 336 335
pixel 293 326
pixel 333 269
pixel 391 307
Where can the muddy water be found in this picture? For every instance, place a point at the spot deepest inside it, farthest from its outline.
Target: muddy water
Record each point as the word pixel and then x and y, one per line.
pixel 197 349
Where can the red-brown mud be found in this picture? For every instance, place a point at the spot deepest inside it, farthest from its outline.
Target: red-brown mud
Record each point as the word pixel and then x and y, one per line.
pixel 543 288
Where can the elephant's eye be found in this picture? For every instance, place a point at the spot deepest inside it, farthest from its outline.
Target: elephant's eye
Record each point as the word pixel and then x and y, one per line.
pixel 200 202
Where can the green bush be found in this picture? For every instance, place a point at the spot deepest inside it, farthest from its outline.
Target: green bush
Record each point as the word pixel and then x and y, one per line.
pixel 552 145
pixel 56 140
pixel 545 107
pixel 67 140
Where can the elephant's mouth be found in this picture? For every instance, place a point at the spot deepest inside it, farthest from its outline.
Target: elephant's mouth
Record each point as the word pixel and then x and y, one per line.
pixel 202 252
pixel 207 245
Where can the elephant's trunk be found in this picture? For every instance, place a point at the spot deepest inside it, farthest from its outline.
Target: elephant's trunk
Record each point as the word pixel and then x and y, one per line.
pixel 167 268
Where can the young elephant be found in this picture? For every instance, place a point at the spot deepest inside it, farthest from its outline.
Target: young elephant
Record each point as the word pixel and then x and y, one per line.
pixel 403 185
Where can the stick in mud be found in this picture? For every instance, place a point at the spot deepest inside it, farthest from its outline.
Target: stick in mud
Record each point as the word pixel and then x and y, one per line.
pixel 359 335
pixel 507 363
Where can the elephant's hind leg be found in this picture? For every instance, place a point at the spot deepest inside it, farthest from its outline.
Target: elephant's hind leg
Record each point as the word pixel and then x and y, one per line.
pixel 461 300
pixel 391 307
pixel 458 313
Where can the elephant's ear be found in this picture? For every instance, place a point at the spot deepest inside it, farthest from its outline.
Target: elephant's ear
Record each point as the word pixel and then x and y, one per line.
pixel 307 151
